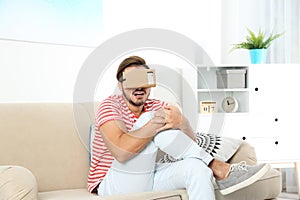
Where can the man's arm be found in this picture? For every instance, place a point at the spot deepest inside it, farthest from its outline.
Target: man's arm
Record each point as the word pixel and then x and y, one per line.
pixel 123 144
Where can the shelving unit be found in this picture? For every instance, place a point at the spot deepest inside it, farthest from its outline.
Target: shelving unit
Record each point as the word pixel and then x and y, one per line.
pixel 268 111
pixel 207 87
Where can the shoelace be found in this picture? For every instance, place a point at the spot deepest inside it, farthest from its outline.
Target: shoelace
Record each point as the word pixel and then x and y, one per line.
pixel 239 166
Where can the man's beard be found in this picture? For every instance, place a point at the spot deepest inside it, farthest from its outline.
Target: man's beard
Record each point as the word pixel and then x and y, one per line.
pixel 132 102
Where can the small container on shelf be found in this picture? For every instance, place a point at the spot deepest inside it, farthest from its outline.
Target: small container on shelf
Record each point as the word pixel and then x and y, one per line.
pixel 207 107
pixel 231 78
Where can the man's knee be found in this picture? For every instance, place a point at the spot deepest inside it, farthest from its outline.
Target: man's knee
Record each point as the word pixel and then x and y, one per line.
pixel 174 143
pixel 165 138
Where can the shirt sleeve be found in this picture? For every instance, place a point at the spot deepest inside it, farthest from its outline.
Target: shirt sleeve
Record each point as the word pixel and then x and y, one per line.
pixel 108 110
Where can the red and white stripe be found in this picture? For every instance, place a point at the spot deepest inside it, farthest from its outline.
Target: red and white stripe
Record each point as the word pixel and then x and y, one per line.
pixel 112 108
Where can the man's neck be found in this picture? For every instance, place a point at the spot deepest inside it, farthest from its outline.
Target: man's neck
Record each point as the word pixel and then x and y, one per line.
pixel 136 110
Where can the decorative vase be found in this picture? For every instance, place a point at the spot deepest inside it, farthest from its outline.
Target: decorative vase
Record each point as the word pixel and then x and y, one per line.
pixel 258 56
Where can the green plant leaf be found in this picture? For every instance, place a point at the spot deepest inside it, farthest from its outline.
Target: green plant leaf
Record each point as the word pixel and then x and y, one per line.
pixel 258 41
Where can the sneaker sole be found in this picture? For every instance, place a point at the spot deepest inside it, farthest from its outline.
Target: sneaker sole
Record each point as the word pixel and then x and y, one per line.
pixel 247 182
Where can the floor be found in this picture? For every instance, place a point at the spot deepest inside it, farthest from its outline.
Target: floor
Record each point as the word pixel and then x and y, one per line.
pixel 289 174
pixel 287 196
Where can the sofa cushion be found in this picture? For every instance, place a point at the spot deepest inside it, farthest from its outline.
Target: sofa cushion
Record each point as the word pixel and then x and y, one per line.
pixel 83 194
pixel 16 183
pixel 269 186
pixel 246 153
pixel 158 195
pixel 70 194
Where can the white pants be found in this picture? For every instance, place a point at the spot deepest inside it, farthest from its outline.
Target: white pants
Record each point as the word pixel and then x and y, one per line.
pixel 142 173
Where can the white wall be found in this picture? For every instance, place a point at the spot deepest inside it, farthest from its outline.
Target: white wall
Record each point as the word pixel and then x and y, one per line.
pixel 34 72
pixel 200 20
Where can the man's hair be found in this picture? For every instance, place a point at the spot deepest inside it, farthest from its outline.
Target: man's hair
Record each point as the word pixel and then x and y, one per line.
pixel 132 60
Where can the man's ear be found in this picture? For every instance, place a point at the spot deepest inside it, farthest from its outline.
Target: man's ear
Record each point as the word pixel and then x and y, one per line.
pixel 120 85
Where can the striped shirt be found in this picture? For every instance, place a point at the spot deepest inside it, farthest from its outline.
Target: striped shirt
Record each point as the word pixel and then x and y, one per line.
pixel 112 108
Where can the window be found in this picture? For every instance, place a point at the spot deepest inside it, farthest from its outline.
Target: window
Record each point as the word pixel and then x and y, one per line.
pixel 74 22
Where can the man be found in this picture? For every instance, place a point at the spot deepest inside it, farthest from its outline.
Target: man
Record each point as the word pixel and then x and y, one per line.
pixel 130 129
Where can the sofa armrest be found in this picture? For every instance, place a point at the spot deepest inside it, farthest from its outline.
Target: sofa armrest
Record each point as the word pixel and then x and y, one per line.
pixel 245 153
pixel 16 183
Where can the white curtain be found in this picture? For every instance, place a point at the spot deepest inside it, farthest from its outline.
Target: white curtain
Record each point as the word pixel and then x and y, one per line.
pixel 285 17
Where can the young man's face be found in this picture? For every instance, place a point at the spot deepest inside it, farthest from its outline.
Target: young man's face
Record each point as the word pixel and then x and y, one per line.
pixel 135 96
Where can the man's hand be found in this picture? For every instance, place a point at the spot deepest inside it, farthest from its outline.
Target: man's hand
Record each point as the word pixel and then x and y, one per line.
pixel 171 116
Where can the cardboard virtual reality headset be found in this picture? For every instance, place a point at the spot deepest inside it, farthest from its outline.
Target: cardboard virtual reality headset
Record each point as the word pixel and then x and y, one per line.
pixel 139 78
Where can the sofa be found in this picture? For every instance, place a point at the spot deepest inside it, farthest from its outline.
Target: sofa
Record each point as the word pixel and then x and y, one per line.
pixel 44 154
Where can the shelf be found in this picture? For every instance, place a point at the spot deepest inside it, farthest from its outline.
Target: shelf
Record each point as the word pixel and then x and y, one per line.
pixel 235 114
pixel 222 66
pixel 224 90
pixel 210 78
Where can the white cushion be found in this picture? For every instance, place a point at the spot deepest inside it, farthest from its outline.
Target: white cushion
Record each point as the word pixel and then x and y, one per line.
pixel 92 133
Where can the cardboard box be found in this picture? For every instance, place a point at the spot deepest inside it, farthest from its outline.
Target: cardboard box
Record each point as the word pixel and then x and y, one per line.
pixel 137 78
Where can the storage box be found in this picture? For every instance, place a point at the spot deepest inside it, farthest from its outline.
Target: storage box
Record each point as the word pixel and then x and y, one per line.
pixel 231 78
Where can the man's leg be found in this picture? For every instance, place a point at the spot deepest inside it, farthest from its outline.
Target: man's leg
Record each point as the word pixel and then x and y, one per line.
pixel 190 173
pixel 229 178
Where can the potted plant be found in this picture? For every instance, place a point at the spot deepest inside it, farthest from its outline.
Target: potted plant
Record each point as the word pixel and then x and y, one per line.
pixel 257 45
